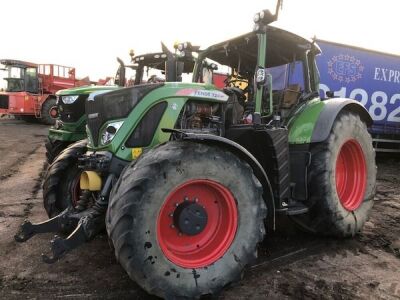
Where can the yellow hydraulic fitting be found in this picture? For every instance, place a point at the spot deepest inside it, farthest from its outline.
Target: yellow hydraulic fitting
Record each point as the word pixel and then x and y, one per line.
pixel 90 180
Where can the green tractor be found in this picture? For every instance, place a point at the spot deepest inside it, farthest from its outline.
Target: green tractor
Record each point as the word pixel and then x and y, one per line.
pixel 189 178
pixel 71 124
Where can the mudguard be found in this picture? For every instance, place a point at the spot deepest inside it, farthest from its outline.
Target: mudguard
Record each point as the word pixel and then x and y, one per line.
pixel 328 115
pixel 313 121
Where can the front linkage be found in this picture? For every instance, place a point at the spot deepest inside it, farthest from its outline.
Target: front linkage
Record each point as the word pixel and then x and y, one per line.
pixel 86 221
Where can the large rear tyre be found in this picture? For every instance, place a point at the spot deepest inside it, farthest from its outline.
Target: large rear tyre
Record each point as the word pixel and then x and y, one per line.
pixel 54 148
pixel 342 180
pixel 49 112
pixel 61 184
pixel 185 219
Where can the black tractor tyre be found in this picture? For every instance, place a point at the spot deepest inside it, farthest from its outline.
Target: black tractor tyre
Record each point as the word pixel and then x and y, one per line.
pixel 62 180
pixel 140 200
pixel 47 106
pixel 335 207
pixel 54 148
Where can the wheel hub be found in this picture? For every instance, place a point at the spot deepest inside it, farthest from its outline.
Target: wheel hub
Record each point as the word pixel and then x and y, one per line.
pixel 190 218
pixel 53 112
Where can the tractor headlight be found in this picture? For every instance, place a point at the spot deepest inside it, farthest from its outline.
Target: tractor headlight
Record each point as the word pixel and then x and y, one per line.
pixel 183 46
pixel 69 99
pixel 256 18
pixel 260 75
pixel 110 131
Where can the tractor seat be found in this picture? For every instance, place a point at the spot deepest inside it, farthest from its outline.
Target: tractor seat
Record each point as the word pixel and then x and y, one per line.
pixel 234 107
pixel 290 95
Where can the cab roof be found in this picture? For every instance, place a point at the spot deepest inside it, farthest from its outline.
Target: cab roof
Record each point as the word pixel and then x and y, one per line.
pixel 17 63
pixel 157 61
pixel 282 47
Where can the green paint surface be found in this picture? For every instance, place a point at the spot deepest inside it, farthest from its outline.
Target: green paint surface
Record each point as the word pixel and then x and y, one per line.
pixel 176 95
pixel 301 125
pixel 84 90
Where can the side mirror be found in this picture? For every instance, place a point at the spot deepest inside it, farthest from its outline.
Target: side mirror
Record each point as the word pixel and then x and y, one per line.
pixel 179 70
pixel 170 64
pixel 207 73
pixel 120 79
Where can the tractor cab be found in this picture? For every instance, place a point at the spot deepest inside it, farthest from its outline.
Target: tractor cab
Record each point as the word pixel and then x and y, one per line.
pixel 265 81
pixel 164 66
pixel 158 67
pixel 33 78
pixel 150 68
pixel 21 76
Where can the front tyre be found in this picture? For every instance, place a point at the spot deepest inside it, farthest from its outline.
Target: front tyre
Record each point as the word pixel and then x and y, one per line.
pixel 54 148
pixel 61 184
pixel 342 180
pixel 186 219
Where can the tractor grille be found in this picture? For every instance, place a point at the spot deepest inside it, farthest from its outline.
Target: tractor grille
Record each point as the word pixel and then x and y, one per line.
pixel 70 113
pixel 4 101
pixel 114 105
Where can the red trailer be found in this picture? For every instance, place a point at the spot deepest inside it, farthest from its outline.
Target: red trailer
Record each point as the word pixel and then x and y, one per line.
pixel 30 89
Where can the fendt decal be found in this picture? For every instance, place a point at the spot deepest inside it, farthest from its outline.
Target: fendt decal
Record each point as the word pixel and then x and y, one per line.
pixel 213 94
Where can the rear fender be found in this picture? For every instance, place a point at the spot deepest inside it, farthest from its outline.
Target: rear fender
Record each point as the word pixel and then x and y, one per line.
pixel 329 113
pixel 313 122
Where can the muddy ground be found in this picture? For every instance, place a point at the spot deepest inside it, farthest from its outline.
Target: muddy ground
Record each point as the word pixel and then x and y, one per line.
pixel 292 265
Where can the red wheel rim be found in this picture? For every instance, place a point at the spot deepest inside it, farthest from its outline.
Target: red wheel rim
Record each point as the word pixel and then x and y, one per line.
pixel 351 175
pixel 76 190
pixel 53 112
pixel 206 247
